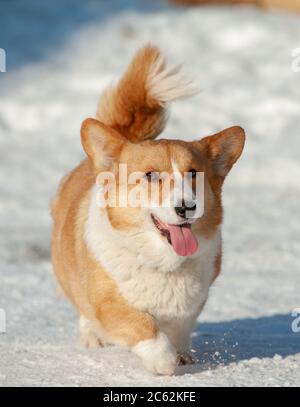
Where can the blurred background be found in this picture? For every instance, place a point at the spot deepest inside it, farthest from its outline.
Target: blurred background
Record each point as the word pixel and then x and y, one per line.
pixel 245 58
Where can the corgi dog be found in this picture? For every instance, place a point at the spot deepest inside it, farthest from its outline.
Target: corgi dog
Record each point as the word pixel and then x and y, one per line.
pixel 139 275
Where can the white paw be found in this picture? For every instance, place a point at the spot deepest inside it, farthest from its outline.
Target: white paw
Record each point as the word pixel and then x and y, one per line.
pixel 89 341
pixel 158 355
pixel 88 337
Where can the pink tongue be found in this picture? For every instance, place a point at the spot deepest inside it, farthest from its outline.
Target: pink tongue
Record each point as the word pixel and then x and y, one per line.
pixel 183 240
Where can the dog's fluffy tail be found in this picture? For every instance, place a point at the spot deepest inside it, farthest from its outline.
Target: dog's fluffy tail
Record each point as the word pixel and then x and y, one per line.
pixel 137 105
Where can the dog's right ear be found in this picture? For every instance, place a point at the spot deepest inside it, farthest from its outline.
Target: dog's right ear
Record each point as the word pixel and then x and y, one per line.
pixel 101 143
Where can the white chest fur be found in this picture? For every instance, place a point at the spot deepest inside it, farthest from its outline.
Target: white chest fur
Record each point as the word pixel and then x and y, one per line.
pixel 140 268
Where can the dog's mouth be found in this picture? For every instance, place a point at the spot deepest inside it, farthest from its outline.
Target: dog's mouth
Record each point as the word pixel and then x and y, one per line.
pixel 180 237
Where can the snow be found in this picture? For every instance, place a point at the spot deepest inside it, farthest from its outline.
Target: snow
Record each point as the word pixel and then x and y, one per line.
pixel 58 60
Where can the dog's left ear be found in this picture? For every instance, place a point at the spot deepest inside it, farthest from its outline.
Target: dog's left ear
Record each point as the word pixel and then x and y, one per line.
pixel 224 149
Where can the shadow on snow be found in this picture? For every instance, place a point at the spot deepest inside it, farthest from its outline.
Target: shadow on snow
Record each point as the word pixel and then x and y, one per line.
pixel 222 343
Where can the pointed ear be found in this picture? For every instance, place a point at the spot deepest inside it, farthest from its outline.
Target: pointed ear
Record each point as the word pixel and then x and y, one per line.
pixel 101 143
pixel 224 149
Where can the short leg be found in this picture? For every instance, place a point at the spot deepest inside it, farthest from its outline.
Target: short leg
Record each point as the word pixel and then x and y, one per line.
pixel 137 330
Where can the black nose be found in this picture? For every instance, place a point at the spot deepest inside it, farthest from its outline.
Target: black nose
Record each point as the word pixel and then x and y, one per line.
pixel 186 206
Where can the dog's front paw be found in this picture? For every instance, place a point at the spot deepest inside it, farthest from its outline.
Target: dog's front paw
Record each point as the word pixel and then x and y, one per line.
pixel 158 355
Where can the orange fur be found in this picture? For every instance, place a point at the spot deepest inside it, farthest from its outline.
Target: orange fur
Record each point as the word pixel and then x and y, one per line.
pixel 133 107
pixel 292 5
pixel 221 2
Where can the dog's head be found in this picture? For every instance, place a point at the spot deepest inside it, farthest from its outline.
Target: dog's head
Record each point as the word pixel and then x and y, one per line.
pixel 156 197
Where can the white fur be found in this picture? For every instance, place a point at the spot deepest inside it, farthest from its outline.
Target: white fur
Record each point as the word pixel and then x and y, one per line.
pixel 168 84
pixel 88 337
pixel 91 333
pixel 180 192
pixel 150 275
pixel 158 354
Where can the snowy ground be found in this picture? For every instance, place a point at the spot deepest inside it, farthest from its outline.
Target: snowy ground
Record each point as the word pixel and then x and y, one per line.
pixel 58 59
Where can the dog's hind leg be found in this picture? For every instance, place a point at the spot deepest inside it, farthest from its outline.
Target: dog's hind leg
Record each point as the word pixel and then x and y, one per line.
pixel 88 335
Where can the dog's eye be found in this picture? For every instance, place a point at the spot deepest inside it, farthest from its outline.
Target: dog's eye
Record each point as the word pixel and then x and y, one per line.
pixel 193 172
pixel 152 176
